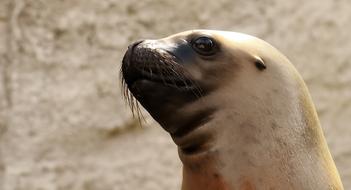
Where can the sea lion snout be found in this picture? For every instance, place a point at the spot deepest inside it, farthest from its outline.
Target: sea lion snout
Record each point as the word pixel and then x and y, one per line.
pixel 158 79
pixel 154 61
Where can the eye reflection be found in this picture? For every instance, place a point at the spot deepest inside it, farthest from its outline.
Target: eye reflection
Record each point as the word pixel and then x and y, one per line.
pixel 204 46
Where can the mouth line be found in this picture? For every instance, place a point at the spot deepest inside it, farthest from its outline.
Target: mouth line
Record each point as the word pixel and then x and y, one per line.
pixel 170 81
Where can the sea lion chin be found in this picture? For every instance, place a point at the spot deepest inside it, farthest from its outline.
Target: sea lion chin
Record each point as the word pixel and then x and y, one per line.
pixel 238 110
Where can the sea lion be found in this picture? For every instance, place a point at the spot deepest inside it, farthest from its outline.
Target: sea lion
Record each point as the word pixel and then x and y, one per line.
pixel 237 109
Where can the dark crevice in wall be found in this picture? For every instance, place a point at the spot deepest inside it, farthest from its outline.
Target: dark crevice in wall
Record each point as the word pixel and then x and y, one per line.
pixel 6 79
pixel 14 35
pixel 7 59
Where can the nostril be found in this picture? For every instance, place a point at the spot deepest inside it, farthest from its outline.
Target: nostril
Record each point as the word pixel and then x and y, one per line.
pixel 133 45
pixel 126 57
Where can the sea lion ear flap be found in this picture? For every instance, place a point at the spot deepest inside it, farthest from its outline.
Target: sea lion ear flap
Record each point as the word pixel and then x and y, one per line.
pixel 259 63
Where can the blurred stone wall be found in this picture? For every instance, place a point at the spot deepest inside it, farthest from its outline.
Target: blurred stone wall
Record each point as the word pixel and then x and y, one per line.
pixel 63 123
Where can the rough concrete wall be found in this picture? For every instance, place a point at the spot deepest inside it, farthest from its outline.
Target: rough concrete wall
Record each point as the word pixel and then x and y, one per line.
pixel 63 124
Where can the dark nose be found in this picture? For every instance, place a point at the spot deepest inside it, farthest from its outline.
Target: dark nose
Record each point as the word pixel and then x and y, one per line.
pixel 133 45
pixel 129 52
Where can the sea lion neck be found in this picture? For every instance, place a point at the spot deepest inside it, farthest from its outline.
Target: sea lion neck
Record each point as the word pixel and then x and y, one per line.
pixel 279 146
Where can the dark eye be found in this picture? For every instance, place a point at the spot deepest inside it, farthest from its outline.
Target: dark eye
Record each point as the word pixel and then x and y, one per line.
pixel 204 46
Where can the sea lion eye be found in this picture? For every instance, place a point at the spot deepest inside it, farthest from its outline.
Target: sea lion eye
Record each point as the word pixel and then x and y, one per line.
pixel 204 46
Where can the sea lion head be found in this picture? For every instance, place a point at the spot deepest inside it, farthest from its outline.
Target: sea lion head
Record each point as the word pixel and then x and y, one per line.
pixel 175 78
pixel 235 106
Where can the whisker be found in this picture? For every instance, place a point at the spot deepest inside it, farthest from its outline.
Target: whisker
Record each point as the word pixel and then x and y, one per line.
pixel 178 75
pixel 140 116
pixel 197 91
pixel 160 71
pixel 131 102
pixel 171 73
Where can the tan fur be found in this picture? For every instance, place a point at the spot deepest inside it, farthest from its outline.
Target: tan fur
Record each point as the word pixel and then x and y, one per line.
pixel 267 130
pixel 265 133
